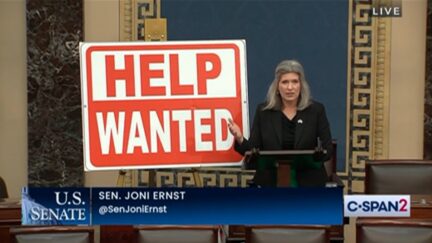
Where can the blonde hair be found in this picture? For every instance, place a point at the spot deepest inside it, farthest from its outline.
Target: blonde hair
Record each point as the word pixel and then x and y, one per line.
pixel 273 99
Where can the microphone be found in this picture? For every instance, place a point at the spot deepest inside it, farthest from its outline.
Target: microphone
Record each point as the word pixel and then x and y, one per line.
pixel 319 144
pixel 251 162
pixel 319 151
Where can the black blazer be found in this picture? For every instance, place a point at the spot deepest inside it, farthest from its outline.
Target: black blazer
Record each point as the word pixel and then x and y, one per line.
pixel 266 134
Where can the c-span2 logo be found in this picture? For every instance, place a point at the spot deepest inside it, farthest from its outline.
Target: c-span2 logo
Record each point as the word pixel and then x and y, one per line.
pixel 162 104
pixel 377 205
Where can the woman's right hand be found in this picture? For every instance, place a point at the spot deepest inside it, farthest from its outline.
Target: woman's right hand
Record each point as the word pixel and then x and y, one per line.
pixel 235 131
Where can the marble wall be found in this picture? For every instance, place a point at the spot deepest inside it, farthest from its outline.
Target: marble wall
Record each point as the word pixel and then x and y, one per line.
pixel 54 30
pixel 428 88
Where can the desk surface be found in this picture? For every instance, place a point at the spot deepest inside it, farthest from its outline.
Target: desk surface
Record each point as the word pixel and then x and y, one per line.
pixel 421 201
pixel 10 212
pixel 421 206
pixel 10 202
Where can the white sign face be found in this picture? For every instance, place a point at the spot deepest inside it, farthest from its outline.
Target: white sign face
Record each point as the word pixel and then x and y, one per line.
pixel 162 104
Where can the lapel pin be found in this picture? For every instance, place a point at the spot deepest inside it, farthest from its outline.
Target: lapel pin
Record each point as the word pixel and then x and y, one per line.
pixel 300 121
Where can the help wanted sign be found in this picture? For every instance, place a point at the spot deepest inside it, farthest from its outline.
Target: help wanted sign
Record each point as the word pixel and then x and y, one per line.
pixel 162 104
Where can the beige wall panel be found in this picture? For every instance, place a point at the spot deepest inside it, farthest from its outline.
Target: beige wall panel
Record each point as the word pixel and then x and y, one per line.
pixel 407 81
pixel 13 96
pixel 101 23
pixel 101 20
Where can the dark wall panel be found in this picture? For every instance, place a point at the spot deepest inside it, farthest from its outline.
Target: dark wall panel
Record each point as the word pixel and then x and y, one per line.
pixel 313 32
pixel 54 29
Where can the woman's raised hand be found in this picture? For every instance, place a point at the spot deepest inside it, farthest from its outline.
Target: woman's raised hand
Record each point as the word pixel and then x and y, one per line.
pixel 235 131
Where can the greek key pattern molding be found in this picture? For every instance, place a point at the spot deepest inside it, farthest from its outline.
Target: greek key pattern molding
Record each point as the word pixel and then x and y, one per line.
pixel 367 124
pixel 211 177
pixel 132 16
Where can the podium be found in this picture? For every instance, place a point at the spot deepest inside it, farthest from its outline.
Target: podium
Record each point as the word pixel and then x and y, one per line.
pixel 278 167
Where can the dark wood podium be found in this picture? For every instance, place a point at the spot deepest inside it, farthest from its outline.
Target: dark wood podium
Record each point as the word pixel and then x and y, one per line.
pixel 10 216
pixel 282 162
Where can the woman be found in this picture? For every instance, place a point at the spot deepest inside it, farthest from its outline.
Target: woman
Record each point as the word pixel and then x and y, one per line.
pixel 288 120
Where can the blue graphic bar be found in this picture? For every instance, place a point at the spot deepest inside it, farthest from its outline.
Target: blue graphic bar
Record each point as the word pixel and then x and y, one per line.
pixel 192 205
pixel 217 206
